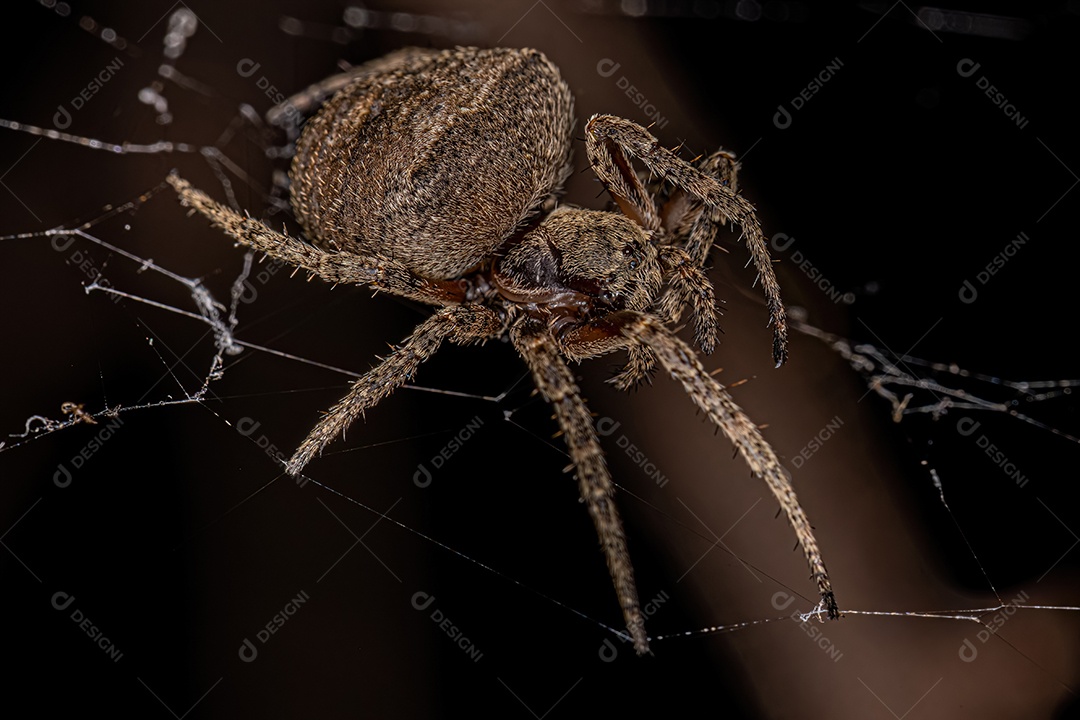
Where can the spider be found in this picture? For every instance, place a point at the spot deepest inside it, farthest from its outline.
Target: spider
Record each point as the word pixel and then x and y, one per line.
pixel 436 175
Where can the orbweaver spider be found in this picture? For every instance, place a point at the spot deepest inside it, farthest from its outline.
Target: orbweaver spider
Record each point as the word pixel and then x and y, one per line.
pixel 435 175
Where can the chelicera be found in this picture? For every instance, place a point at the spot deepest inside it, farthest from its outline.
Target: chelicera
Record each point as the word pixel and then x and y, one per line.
pixel 435 175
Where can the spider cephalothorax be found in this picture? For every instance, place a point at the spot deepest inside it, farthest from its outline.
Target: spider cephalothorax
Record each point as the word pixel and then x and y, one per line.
pixel 577 262
pixel 435 176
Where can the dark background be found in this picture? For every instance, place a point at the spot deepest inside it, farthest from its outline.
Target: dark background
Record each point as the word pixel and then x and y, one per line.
pixel 899 179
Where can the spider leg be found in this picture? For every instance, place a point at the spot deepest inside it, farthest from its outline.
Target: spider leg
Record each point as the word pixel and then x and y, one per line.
pixel 459 324
pixel 689 286
pixel 378 272
pixel 611 140
pixel 691 228
pixel 678 358
pixel 556 383
pixel 640 365
pixel 684 215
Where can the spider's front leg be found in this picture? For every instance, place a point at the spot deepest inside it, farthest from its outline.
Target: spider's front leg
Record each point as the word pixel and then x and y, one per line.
pixel 454 322
pixel 612 141
pixel 691 227
pixel 627 329
pixel 687 286
pixel 379 272
pixel 684 216
pixel 556 383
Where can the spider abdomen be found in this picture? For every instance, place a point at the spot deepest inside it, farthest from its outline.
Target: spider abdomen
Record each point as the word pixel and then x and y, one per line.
pixel 434 158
